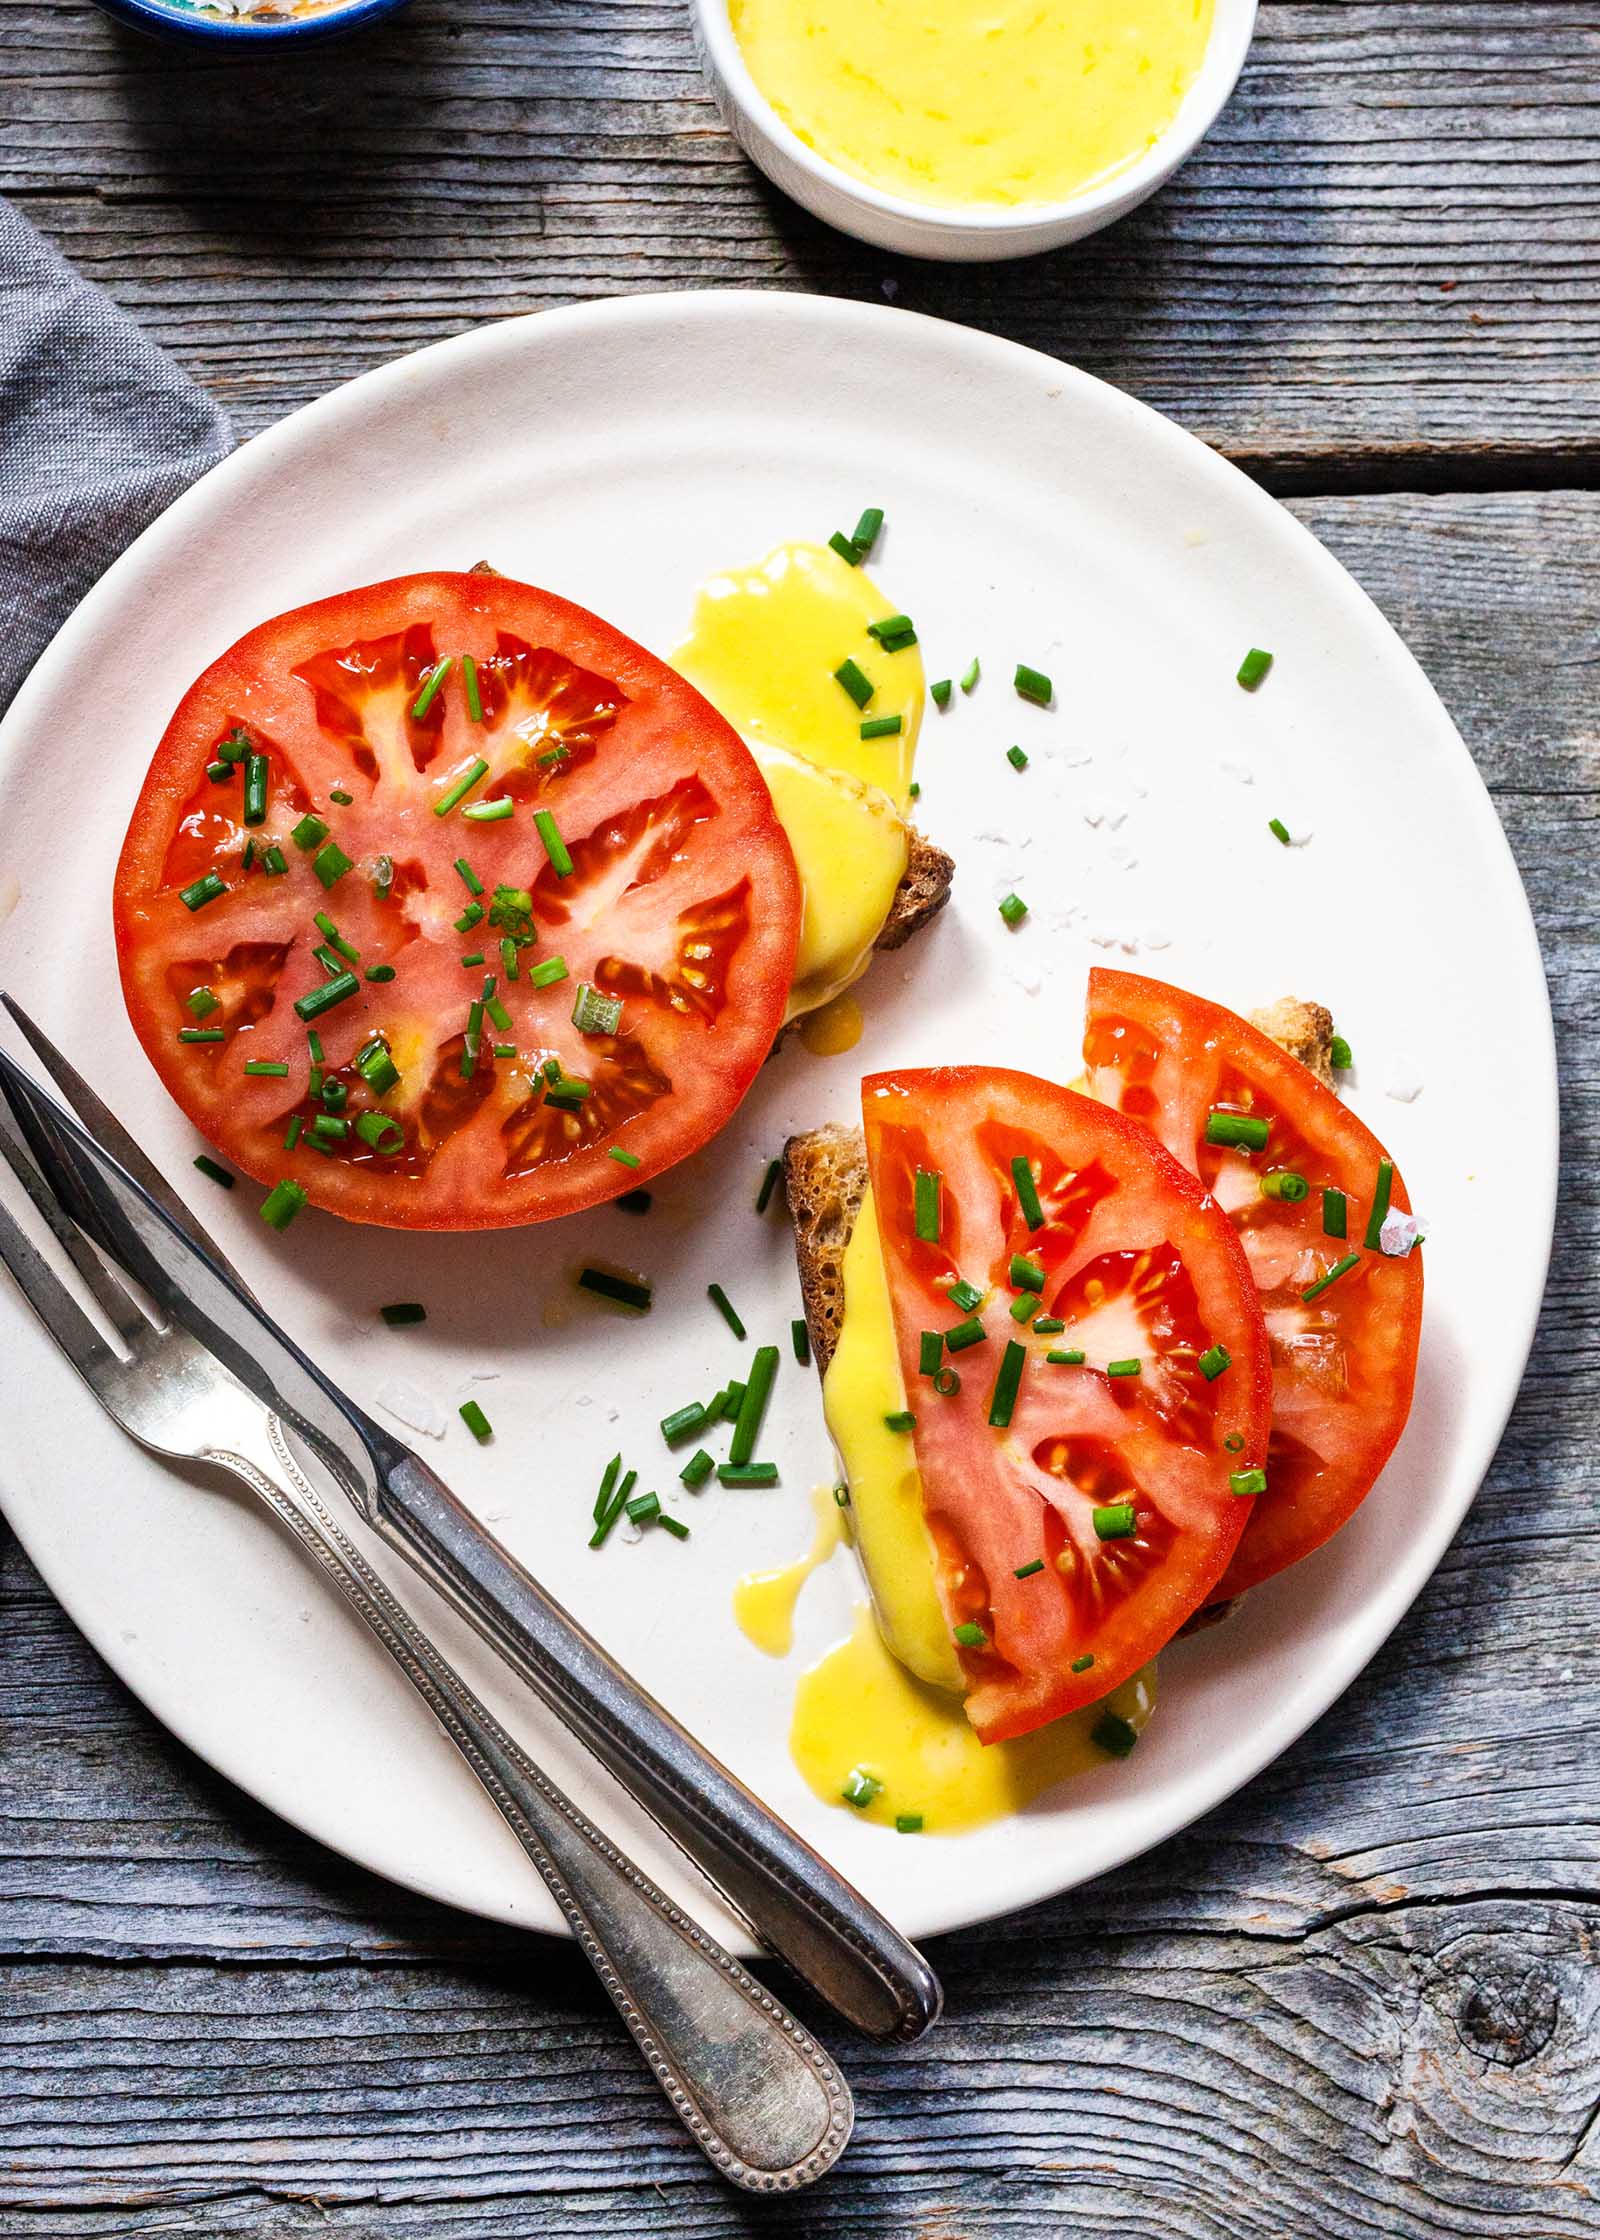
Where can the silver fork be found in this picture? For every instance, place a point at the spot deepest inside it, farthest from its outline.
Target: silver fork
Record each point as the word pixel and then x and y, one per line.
pixel 753 2088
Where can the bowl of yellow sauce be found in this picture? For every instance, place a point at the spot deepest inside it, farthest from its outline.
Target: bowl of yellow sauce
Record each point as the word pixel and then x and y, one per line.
pixel 972 128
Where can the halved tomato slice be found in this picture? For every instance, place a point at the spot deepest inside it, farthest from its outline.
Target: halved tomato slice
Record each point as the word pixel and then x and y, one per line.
pixel 1081 1510
pixel 384 844
pixel 1344 1352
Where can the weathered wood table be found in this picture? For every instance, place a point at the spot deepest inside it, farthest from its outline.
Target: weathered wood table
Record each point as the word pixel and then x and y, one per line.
pixel 1360 2000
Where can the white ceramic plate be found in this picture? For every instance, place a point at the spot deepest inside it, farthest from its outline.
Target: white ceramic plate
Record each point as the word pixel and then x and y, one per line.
pixel 620 453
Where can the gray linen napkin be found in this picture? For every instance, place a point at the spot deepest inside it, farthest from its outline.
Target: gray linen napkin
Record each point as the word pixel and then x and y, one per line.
pixel 99 432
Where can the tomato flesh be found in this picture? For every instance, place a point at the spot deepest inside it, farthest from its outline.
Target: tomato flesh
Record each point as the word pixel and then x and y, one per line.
pixel 1137 1263
pixel 1343 1363
pixel 681 900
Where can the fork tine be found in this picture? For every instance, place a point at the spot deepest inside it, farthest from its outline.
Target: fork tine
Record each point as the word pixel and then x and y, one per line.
pixel 117 1304
pixel 56 1308
pixel 109 1132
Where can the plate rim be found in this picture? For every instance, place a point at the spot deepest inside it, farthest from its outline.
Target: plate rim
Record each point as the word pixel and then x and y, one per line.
pixel 1370 1626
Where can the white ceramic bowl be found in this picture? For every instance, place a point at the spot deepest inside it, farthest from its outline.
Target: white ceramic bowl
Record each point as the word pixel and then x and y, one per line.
pixel 925 229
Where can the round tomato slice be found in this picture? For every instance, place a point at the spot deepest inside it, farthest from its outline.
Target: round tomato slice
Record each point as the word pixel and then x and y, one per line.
pixel 385 844
pixel 1344 1356
pixel 1078 1517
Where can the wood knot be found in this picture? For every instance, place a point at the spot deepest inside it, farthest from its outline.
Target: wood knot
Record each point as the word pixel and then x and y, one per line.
pixel 1504 2009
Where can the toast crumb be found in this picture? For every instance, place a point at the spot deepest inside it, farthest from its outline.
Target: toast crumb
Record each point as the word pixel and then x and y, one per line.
pixel 1305 1030
pixel 923 891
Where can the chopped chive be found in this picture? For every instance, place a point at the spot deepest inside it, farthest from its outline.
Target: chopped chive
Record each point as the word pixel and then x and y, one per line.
pixel 1378 1212
pixel 724 1306
pixel 219 772
pixel 623 1158
pixel 199 892
pixel 901 1420
pixel 1004 1397
pixel 800 1338
pixel 608 1480
pixel 547 973
pixel 732 1396
pixel 841 1497
pixel 880 727
pixel 508 957
pixel 247 855
pixel 1253 668
pixel 940 693
pixel 683 1421
pixel 335 1096
pixel 201 1002
pixel 268 1069
pixel 554 846
pixel 1340 1055
pixel 747 1474
pixel 336 940
pixel 379 972
pixel 1017 759
pixel 273 861
pixel 327 1127
pixel 675 1525
pixel 1033 685
pixel 1082 1664
pixel 1244 1482
pixel 469 678
pixel 281 1203
pixel 623 1289
pixel 930 1353
pixel 293 1132
pixel 314 1045
pixel 553 756
pixel 1213 1361
pixel 213 1172
pixel 769 1183
pixel 1066 1357
pixel 309 833
pixel 609 1506
pixel 1027 1570
pixel 255 788
pixel 1023 1306
pixel 317 1000
pixel 567 1094
pixel 376 1066
pixel 475 1420
pixel 494 1010
pixel 475 770
pixel 1026 1275
pixel 337 793
pixel 1286 1186
pixel 644 1508
pixel 468 877
pixel 1241 1131
pixel 490 812
pixel 593 1013
pixel 861 1787
pixel 970 1636
pixel 968 1333
pixel 1027 1192
pixel 1279 830
pixel 330 863
pixel 511 909
pixel 469 1046
pixel 1234 1442
pixel 503 1049
pixel 914 791
pixel 891 626
pixel 1114 1735
pixel 926 1205
pixel 908 1823
pixel 970 674
pixel 697 1469
pixel 403 1313
pixel 1130 1367
pixel 1013 909
pixel 429 693
pixel 326 957
pixel 1335 1214
pixel 847 552
pixel 964 1295
pixel 1048 1325
pixel 855 681
pixel 757 1391
pixel 633 1201
pixel 1114 1520
pixel 1339 1268
pixel 865 533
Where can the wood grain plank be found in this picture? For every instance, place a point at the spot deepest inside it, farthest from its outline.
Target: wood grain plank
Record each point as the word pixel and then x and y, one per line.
pixel 1384 264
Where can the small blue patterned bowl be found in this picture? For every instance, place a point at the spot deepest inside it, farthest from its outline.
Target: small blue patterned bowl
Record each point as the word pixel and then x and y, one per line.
pixel 180 19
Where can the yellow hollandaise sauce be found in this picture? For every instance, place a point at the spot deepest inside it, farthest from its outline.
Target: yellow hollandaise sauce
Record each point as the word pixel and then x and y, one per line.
pixel 763 647
pixel 859 1711
pixel 764 1601
pixel 972 102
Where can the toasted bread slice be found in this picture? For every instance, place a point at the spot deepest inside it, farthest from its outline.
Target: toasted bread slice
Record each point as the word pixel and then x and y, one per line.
pixel 825 1172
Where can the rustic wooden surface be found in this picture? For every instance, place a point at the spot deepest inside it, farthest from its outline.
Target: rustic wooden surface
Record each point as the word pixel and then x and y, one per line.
pixel 1360 2000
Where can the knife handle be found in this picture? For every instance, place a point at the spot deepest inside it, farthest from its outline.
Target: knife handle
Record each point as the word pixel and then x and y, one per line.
pixel 798 1905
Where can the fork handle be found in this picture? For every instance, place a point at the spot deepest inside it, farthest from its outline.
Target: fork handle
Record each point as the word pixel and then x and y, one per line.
pixel 752 2087
pixel 801 1907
